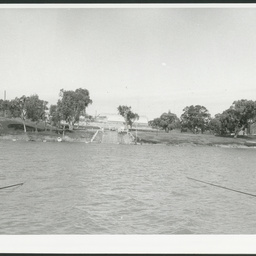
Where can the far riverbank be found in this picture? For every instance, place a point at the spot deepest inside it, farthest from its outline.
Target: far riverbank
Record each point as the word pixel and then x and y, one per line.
pixel 12 129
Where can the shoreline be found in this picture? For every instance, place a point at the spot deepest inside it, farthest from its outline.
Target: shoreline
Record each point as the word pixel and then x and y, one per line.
pixel 32 137
pixel 66 138
pixel 11 130
pixel 176 138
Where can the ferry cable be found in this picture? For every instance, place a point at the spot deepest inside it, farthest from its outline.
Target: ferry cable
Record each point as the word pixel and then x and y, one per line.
pixel 222 187
pixel 19 184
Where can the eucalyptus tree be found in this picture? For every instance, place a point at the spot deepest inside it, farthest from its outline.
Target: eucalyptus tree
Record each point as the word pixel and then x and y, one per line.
pixel 195 117
pixel 36 109
pixel 129 116
pixel 240 115
pixel 167 121
pixel 72 104
pixel 18 108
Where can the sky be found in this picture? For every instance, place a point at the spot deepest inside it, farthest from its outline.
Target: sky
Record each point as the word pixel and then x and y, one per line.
pixel 152 59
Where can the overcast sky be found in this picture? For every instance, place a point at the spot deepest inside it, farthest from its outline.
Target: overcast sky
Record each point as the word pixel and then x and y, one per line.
pixel 152 59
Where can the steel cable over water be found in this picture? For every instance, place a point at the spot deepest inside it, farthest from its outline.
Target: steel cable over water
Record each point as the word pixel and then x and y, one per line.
pixel 241 192
pixel 19 184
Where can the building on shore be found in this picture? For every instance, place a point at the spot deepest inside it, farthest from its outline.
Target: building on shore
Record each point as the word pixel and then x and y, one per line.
pixel 115 121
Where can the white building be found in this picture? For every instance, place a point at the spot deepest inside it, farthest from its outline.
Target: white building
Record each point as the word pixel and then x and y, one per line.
pixel 115 120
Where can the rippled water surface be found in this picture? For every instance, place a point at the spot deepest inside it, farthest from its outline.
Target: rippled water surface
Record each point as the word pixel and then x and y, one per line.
pixel 77 188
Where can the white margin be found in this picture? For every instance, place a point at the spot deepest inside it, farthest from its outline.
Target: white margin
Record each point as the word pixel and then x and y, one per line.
pixel 142 5
pixel 226 244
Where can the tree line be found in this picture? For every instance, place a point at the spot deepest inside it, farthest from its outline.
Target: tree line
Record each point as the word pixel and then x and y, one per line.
pixel 72 104
pixel 238 117
pixel 69 107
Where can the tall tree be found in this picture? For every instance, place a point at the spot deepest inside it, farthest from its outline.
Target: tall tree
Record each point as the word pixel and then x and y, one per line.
pixel 18 108
pixel 195 117
pixel 239 116
pixel 167 121
pixel 36 109
pixel 129 116
pixel 155 123
pixel 72 104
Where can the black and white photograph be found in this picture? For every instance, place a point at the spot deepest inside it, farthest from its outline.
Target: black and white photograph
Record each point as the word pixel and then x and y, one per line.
pixel 127 121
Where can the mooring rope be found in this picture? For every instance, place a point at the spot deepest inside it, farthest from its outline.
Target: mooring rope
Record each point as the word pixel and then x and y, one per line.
pixel 19 184
pixel 222 187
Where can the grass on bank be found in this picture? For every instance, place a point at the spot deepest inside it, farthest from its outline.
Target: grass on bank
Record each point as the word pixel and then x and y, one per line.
pixel 176 137
pixel 13 128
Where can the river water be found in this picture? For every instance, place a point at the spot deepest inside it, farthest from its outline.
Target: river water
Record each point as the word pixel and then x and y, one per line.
pixel 78 188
